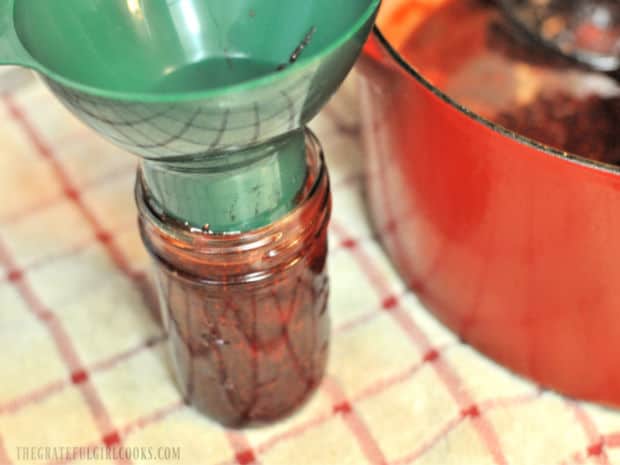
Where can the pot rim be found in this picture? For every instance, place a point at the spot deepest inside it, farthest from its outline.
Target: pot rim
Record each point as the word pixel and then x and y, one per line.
pixel 539 147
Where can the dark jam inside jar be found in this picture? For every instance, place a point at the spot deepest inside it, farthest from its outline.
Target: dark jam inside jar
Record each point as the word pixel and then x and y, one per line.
pixel 249 352
pixel 469 50
pixel 247 313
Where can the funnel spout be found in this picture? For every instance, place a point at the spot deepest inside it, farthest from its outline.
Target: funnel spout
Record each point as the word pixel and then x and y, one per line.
pixel 231 191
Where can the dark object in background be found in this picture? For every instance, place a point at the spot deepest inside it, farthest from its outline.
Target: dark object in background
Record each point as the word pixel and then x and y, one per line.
pixel 586 31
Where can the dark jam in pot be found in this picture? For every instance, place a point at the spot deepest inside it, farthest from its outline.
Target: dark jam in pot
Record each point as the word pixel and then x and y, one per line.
pixel 247 313
pixel 586 126
pixel 487 66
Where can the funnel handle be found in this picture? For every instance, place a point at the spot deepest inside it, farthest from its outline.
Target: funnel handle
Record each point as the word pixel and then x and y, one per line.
pixel 12 52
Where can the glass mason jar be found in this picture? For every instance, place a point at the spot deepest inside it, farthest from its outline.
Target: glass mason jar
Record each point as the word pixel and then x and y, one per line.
pixel 246 313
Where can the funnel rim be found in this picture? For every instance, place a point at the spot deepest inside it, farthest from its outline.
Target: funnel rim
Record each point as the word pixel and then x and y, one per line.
pixel 174 97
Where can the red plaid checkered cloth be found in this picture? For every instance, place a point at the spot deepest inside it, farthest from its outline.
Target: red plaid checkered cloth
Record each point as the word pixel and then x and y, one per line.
pixel 83 360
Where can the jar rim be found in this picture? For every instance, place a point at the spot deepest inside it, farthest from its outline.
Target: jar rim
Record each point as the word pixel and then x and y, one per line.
pixel 200 242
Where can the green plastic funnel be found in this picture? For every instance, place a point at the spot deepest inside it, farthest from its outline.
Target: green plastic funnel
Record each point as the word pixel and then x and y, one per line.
pixel 213 94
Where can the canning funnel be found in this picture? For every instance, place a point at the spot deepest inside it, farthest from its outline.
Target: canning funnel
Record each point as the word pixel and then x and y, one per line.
pixel 212 95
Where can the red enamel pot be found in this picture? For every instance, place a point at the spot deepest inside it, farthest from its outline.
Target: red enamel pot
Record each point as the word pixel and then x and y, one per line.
pixel 514 246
